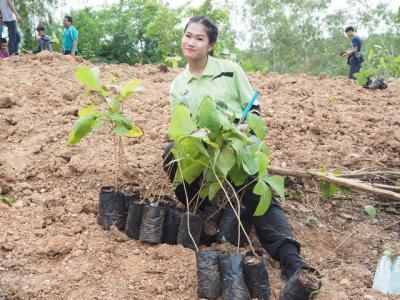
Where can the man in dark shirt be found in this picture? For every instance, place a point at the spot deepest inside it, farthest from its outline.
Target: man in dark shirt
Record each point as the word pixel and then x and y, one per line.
pixel 354 55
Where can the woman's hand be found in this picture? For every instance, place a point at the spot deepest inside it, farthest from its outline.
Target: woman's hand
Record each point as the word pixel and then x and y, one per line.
pixel 242 127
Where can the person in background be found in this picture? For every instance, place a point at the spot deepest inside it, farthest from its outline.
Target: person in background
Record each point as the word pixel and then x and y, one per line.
pixel 10 19
pixel 226 53
pixel 354 56
pixel 70 37
pixel 43 40
pixel 1 26
pixel 4 49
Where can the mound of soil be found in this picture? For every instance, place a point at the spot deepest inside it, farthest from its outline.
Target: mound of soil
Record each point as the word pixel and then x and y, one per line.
pixel 51 246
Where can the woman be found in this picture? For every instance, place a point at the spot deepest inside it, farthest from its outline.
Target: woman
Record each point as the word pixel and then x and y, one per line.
pixel 229 87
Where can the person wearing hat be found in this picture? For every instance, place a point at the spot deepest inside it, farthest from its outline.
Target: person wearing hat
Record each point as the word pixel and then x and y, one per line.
pixel 226 53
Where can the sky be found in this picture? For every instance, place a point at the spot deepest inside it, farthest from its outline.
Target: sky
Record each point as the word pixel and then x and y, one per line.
pixel 241 26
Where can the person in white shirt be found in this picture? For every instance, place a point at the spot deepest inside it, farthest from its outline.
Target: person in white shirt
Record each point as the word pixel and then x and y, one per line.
pixel 10 18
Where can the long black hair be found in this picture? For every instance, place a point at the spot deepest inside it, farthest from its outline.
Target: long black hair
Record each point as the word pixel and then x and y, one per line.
pixel 211 29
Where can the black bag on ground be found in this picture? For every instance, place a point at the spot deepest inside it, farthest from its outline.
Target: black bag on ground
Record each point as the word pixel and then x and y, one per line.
pixel 113 209
pixel 255 270
pixel 377 84
pixel 303 285
pixel 152 226
pixel 134 219
pixel 195 225
pixel 208 274
pixel 171 226
pixel 233 279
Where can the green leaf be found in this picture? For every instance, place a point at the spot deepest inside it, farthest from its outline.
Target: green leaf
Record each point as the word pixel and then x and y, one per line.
pixel 129 87
pixel 238 146
pixel 192 171
pixel 238 176
pixel 265 194
pixel 86 76
pixel 256 124
pixel 225 161
pixel 87 110
pixel 181 124
pixel 208 117
pixel 134 132
pixel 278 184
pixel 397 59
pixel 371 211
pixel 82 127
pixel 249 163
pixel 262 161
pixel 345 190
pixel 213 190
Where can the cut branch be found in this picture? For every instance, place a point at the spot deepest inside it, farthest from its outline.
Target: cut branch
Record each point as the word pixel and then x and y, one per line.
pixel 346 182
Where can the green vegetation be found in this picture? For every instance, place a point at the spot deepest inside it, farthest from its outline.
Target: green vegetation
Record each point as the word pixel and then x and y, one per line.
pixel 286 36
pixel 92 118
pixel 210 146
pixel 371 211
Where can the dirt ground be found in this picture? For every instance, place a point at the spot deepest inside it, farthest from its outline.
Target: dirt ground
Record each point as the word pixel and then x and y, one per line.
pixel 51 246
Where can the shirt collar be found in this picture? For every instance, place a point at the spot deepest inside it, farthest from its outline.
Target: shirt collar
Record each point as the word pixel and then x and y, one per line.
pixel 210 70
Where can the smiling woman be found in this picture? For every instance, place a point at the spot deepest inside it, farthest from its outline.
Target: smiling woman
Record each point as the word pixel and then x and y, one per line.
pixel 223 81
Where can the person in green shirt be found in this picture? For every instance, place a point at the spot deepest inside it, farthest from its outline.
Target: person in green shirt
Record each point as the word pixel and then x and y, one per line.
pixel 227 84
pixel 70 37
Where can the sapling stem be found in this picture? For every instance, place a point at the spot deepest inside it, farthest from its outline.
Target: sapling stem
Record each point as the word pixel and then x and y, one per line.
pixel 187 209
pixel 235 212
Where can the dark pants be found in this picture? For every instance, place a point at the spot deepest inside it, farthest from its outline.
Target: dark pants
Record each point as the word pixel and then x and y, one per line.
pixel 13 37
pixel 272 229
pixel 67 52
pixel 355 67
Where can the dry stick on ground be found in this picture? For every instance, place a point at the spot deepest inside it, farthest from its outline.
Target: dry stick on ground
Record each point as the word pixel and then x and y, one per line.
pixel 366 174
pixel 349 183
pixel 391 225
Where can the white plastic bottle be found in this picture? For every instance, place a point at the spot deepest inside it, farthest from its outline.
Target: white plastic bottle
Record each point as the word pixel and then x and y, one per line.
pixel 395 277
pixel 383 272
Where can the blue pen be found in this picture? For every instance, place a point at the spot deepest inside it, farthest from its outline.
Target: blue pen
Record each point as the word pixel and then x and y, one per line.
pixel 249 106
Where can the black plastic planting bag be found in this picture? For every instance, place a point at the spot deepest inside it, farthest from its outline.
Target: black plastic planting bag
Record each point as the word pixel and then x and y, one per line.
pixel 171 226
pixel 233 279
pixel 303 285
pixel 208 274
pixel 255 270
pixel 195 225
pixel 134 219
pixel 228 226
pixel 377 84
pixel 152 226
pixel 113 209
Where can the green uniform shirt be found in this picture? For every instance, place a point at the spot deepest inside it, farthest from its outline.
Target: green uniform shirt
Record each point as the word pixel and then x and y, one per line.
pixel 223 80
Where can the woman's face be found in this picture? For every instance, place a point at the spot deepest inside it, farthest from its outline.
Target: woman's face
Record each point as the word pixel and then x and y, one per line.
pixel 195 42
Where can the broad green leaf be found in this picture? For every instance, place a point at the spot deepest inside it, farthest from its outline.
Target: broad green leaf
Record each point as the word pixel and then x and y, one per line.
pixel 105 91
pixel 249 163
pixel 371 211
pixel 225 161
pixel 87 110
pixel 204 192
pixel 213 190
pixel 193 171
pixel 86 76
pixel 262 161
pixel 120 120
pixel 278 184
pixel 238 176
pixel 129 87
pixel 82 127
pixel 397 59
pixel 238 146
pixel 256 124
pixel 265 194
pixel 134 132
pixel 181 124
pixel 208 117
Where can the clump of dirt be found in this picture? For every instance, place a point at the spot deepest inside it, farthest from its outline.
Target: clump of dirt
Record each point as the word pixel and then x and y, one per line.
pixel 51 246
